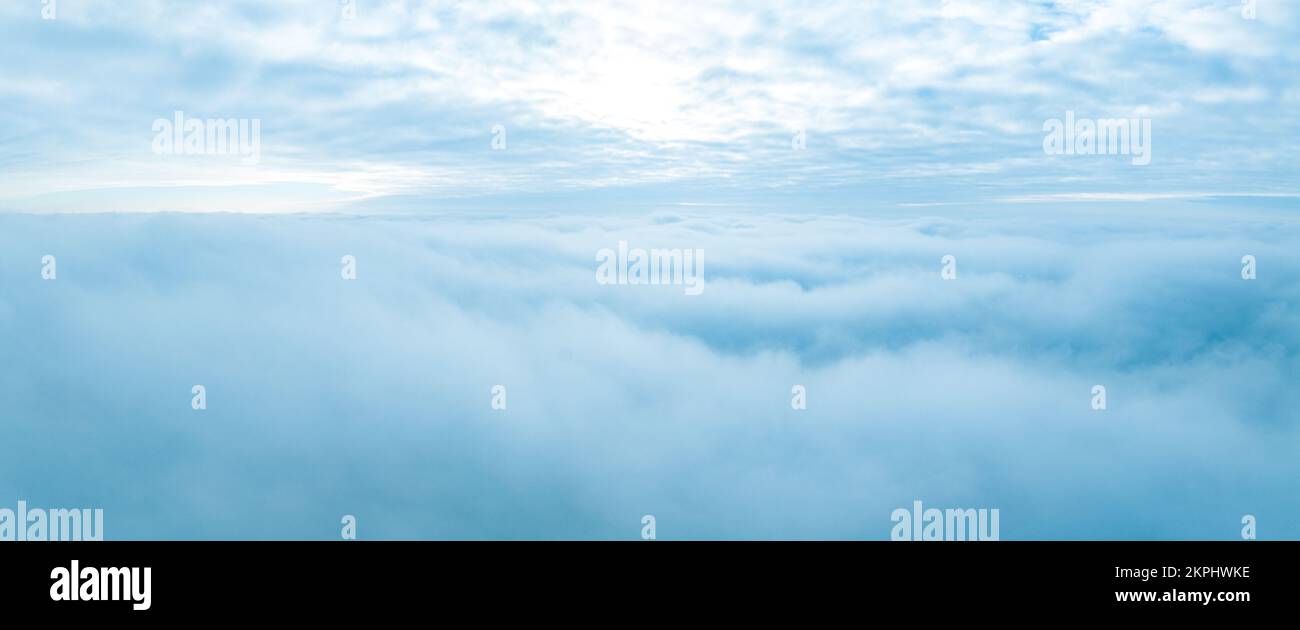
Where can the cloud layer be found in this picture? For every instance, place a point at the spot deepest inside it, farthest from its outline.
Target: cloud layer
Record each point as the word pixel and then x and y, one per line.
pixel 371 397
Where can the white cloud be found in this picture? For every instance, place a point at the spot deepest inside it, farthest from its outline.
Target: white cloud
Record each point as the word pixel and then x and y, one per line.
pixel 627 93
pixel 626 400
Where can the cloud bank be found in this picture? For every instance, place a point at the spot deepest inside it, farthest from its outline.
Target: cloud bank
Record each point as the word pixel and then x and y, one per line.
pixel 371 397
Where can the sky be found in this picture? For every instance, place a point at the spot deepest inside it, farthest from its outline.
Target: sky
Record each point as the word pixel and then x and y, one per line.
pixel 473 159
pixel 610 105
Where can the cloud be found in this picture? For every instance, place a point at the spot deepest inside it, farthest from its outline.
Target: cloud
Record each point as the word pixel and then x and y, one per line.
pixel 666 124
pixel 910 102
pixel 330 397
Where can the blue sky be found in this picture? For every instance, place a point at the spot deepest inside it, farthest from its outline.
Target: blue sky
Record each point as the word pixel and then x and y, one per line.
pixel 665 125
pixel 900 102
